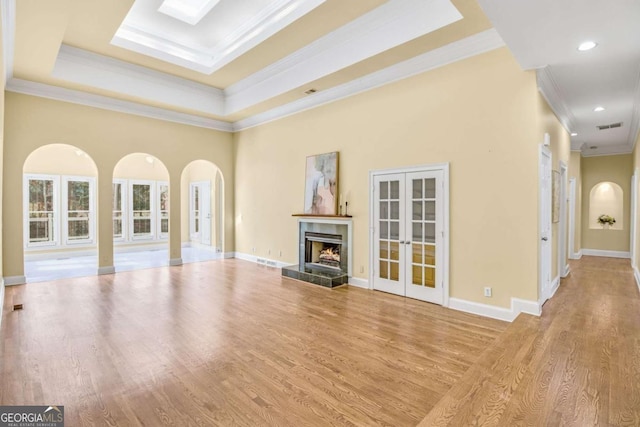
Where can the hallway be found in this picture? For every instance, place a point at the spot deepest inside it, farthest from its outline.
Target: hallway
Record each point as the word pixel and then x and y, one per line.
pixel 576 365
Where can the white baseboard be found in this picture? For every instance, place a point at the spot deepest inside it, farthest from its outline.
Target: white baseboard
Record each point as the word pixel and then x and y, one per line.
pixel 200 246
pixel 110 269
pixel 507 314
pixel 576 255
pixel 174 262
pixel 359 283
pixel 566 271
pixel 14 280
pixel 260 260
pixel 610 254
pixel 636 274
pixel 228 255
pixel 555 284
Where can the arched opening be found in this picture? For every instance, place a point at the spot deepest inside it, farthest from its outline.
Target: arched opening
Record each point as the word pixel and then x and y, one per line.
pixel 202 209
pixel 140 212
pixel 606 198
pixel 59 213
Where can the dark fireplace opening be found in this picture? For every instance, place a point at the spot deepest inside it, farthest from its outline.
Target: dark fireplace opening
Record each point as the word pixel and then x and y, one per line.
pixel 323 250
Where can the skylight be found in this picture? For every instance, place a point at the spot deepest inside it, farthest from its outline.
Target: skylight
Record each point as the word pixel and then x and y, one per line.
pixel 189 11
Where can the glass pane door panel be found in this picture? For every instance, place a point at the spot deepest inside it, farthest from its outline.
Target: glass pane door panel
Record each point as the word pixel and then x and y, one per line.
pixel 384 250
pixel 430 255
pixel 417 189
pixel 417 275
pixel 384 210
pixel 430 277
pixel 417 211
pixel 395 251
pixel 430 188
pixel 430 232
pixel 430 210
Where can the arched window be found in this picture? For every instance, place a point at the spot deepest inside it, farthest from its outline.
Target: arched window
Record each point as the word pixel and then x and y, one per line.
pixel 606 198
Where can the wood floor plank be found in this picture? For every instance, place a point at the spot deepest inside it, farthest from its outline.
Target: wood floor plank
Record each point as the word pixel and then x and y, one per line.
pixel 576 365
pixel 231 343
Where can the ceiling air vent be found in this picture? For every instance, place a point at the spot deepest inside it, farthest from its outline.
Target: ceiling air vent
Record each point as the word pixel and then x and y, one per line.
pixel 310 91
pixel 611 126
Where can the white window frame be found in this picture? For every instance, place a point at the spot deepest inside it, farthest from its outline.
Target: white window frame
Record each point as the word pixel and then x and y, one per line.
pixel 64 217
pixel 159 232
pixel 124 205
pixel 152 207
pixel 56 210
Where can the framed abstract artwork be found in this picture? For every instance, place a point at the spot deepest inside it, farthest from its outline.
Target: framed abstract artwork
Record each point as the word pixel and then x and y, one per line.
pixel 321 184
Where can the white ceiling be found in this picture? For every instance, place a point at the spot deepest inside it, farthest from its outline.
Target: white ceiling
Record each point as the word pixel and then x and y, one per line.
pixel 544 35
pixel 374 43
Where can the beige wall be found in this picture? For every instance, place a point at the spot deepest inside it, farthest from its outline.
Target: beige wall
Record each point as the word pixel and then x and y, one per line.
pixel 575 171
pixel 60 159
pixel 136 166
pixel 107 137
pixel 617 169
pixel 480 114
pixel 560 152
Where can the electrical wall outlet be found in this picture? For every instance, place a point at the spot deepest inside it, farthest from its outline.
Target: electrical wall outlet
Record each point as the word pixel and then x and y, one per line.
pixel 254 250
pixel 487 291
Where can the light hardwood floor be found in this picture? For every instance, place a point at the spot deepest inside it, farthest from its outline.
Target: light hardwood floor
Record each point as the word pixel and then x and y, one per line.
pixel 576 365
pixel 231 343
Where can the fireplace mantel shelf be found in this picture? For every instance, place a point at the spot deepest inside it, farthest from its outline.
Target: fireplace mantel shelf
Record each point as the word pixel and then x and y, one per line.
pixel 322 216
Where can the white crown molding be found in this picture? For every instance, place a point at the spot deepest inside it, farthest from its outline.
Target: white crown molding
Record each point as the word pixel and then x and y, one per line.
pixel 634 126
pixel 552 93
pixel 607 150
pixel 474 45
pixel 106 103
pixel 153 41
pixel 87 68
pixel 8 12
pixel 387 26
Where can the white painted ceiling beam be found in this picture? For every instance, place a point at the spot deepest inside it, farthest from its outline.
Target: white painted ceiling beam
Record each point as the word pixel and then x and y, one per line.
pixel 394 23
pixel 87 68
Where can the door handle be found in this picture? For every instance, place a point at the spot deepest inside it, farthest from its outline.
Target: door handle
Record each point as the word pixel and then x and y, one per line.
pixel 401 242
pixel 408 242
pixel 544 239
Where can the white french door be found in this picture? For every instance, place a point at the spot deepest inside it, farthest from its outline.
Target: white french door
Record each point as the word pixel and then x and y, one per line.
pixel 200 212
pixel 545 224
pixel 409 234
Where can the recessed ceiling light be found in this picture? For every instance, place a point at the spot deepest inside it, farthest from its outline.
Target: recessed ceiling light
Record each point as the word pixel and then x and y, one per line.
pixel 588 45
pixel 598 109
pixel 574 134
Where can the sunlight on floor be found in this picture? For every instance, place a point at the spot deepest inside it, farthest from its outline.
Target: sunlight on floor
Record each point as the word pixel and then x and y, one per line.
pixel 63 268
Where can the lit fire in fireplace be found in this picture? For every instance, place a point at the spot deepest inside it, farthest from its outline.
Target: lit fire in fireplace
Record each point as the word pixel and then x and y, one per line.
pixel 330 256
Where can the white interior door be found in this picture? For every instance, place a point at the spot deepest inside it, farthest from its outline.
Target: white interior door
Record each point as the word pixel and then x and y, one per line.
pixel 424 236
pixel 545 224
pixel 389 201
pixel 200 212
pixel 408 249
pixel 205 213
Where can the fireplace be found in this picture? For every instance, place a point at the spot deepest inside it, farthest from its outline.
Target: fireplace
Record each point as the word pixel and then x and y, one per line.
pixel 324 252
